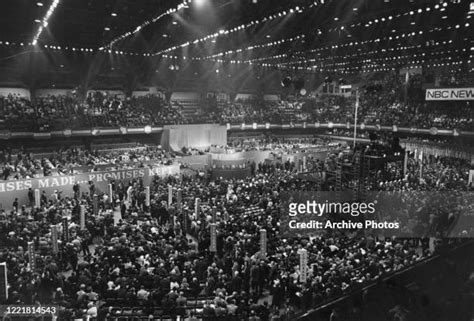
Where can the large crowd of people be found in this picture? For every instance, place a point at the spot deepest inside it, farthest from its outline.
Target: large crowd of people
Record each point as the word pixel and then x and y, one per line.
pixel 381 103
pixel 98 109
pixel 77 159
pixel 133 256
pixel 158 259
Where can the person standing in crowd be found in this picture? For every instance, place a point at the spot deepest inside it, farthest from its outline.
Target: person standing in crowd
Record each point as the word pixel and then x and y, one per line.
pixel 44 199
pixel 15 205
pixel 76 188
pixel 54 197
pixel 31 197
pixel 91 188
pixel 86 241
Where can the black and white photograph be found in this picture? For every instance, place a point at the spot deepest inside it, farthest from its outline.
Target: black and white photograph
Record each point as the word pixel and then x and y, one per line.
pixel 260 160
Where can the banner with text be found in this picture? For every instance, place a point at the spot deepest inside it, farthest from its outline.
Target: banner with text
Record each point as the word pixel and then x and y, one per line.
pixel 450 94
pixel 9 190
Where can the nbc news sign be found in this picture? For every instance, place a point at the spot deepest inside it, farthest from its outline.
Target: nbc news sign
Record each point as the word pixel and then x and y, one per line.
pixel 450 94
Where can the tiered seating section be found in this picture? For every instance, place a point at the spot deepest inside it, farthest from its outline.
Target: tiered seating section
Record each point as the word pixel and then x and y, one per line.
pixel 381 103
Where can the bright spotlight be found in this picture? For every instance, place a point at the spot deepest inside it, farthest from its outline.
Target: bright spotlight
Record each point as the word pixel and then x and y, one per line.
pixel 199 3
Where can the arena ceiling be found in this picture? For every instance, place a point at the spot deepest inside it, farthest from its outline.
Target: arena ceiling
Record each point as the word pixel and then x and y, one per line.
pixel 150 36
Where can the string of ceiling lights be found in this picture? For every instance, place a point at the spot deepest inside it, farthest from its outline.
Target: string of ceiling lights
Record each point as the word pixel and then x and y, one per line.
pixel 352 43
pixel 368 65
pixel 373 22
pixel 73 49
pixel 347 59
pixel 393 67
pixel 421 59
pixel 257 46
pixel 45 21
pixel 298 9
pixel 371 67
pixel 341 57
pixel 250 61
pixel 365 53
pixel 182 5
pixel 117 52
pixel 332 47
pixel 225 32
pixel 358 65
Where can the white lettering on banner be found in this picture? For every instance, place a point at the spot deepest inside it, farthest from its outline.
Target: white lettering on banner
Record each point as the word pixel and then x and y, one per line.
pixel 118 175
pixel 55 181
pixel 20 185
pixel 163 171
pixel 303 265
pixel 450 94
pixel 61 181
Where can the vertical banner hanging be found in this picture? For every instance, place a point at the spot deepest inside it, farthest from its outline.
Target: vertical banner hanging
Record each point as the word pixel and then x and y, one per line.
pixel 214 214
pixel 470 181
pixel 95 204
pixel 172 212
pixel 197 207
pixel 213 247
pixel 54 239
pixel 65 230
pixel 170 195
pixel 129 195
pixel 179 200
pixel 421 164
pixel 147 196
pixel 37 198
pixel 263 243
pixel 303 265
pixel 31 255
pixel 82 221
pixel 405 163
pixel 3 283
pixel 432 244
pixel 185 222
pixel 111 194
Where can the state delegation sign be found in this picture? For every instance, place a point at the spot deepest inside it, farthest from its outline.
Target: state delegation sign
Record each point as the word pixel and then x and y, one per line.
pixel 450 94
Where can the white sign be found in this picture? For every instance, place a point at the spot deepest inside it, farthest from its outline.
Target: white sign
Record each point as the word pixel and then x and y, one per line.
pixel 147 196
pixel 197 207
pixel 303 265
pixel 213 247
pixel 170 195
pixel 3 283
pixel 263 243
pixel 31 255
pixel 450 94
pixel 83 217
pixel 54 238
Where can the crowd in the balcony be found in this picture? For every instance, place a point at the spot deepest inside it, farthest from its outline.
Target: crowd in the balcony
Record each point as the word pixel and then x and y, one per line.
pixel 59 112
pixel 383 102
